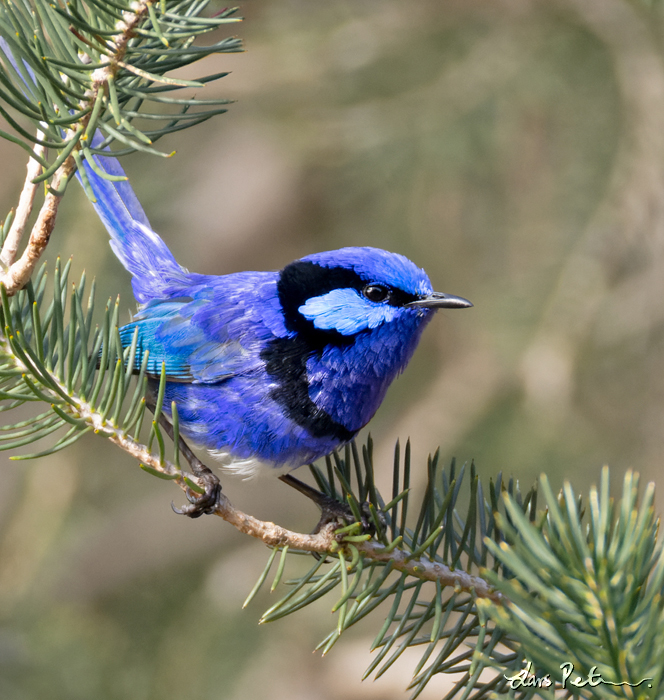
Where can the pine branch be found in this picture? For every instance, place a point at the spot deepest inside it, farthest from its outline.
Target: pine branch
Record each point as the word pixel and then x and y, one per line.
pixel 20 271
pixel 78 75
pixel 588 596
pixel 70 69
pixel 23 211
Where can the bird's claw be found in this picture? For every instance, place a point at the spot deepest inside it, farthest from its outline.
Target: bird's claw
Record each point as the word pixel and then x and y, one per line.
pixel 201 504
pixel 333 511
pixel 341 513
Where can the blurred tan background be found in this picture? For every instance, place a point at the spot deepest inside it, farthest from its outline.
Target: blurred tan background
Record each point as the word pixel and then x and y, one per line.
pixel 513 148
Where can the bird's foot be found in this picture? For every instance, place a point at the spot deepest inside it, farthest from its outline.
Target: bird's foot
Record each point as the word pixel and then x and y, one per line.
pixel 199 504
pixel 333 510
pixel 205 503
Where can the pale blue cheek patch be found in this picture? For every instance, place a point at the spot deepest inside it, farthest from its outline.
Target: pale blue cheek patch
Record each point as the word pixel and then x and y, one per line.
pixel 346 311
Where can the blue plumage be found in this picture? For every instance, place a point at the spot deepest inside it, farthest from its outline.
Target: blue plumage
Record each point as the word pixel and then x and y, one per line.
pixel 275 368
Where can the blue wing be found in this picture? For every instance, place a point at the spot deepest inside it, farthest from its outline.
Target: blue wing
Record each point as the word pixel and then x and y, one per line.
pixel 212 334
pixel 173 338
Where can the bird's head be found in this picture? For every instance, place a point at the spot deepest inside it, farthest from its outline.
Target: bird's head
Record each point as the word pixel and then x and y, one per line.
pixel 331 297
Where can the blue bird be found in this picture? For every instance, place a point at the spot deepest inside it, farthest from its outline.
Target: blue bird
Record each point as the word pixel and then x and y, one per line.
pixel 266 368
pixel 271 369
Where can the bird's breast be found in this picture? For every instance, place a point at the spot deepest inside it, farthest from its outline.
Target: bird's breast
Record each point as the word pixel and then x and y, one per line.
pixel 286 365
pixel 350 383
pixel 334 390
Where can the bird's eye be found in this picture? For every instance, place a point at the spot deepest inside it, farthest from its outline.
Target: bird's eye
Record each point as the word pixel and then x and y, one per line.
pixel 376 292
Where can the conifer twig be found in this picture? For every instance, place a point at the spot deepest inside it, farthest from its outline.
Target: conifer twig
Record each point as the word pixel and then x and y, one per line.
pixel 23 210
pixel 325 541
pixel 20 271
pixel 94 94
pixel 427 570
pixel 322 542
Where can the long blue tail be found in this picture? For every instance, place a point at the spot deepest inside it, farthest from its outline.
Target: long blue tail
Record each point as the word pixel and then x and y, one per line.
pixel 155 272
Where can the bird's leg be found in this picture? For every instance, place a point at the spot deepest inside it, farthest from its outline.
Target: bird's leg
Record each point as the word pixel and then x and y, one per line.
pixel 198 504
pixel 331 508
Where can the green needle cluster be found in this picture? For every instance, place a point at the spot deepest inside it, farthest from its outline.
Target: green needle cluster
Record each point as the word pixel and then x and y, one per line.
pixel 87 65
pixel 581 584
pixel 52 352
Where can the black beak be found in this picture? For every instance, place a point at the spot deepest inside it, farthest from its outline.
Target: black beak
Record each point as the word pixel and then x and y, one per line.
pixel 438 300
